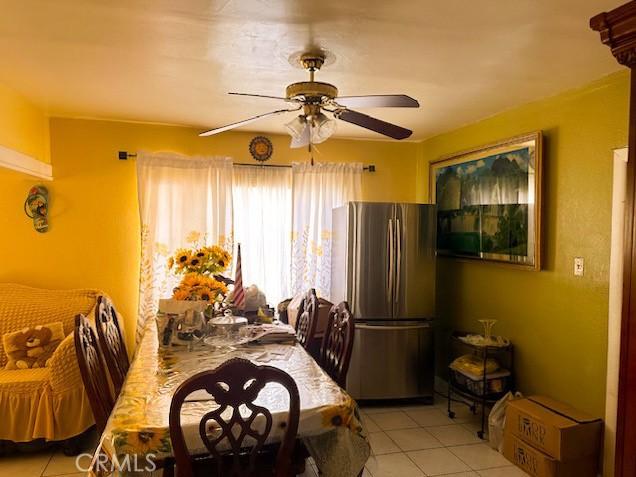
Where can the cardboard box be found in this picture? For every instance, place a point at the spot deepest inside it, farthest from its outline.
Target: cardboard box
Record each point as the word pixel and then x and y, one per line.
pixel 554 428
pixel 538 464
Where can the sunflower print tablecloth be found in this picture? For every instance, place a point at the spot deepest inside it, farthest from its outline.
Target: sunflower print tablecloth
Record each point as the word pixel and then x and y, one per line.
pixel 330 424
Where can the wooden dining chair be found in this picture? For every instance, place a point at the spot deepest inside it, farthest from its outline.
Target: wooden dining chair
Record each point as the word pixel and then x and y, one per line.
pixel 307 321
pixel 111 342
pixel 337 344
pixel 235 385
pixel 93 371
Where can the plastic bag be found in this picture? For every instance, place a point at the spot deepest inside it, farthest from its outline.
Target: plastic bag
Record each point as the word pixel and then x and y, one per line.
pixel 497 420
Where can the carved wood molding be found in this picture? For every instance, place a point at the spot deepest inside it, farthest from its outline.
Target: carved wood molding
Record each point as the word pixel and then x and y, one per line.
pixel 618 31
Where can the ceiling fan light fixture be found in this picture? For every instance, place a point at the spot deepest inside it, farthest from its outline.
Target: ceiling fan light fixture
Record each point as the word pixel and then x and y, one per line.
pixel 322 128
pixel 297 126
pixel 299 130
pixel 302 140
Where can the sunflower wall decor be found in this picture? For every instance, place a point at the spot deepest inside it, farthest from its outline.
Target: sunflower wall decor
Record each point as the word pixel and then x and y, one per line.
pixel 200 268
pixel 261 148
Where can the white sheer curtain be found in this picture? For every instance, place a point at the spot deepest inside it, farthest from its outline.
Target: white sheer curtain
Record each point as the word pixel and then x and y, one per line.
pixel 183 201
pixel 317 190
pixel 262 198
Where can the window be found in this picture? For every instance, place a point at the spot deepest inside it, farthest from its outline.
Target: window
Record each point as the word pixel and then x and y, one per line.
pixel 262 203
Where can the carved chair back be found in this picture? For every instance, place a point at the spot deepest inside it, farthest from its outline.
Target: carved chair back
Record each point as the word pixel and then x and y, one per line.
pixel 307 318
pixel 111 341
pixel 236 442
pixel 93 371
pixel 337 344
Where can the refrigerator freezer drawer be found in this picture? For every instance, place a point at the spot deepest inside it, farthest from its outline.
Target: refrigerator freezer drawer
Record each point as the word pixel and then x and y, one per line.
pixel 392 361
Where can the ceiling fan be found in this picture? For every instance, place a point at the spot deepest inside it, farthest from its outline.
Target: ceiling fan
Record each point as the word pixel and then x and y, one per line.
pixel 312 99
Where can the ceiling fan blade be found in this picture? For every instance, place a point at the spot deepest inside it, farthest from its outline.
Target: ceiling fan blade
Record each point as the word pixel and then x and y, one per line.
pixel 377 125
pixel 227 127
pixel 378 101
pixel 264 96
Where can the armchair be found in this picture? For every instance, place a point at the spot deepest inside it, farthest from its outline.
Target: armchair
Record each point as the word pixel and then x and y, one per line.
pixel 43 403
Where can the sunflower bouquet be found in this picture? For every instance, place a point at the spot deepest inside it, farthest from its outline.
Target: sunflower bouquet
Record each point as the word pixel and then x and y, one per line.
pixel 195 286
pixel 205 260
pixel 200 268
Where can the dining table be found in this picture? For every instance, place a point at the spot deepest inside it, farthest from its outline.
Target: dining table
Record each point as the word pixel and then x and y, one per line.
pixel 330 426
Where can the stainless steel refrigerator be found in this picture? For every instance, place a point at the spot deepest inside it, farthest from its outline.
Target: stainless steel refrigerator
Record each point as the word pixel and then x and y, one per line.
pixel 383 264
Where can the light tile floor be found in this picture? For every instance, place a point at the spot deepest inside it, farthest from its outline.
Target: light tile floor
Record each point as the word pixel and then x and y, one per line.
pixel 47 463
pixel 422 441
pixel 406 441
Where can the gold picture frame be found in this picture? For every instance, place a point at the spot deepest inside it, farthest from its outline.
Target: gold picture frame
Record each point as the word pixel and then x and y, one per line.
pixel 489 202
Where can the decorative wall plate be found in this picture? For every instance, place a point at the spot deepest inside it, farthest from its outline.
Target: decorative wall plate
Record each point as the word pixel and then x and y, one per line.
pixel 261 148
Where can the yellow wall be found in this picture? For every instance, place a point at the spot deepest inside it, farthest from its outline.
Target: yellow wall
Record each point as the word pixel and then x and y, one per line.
pixel 24 127
pixel 557 321
pixel 94 234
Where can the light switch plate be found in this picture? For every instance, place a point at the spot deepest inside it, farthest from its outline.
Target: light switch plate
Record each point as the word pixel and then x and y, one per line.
pixel 579 266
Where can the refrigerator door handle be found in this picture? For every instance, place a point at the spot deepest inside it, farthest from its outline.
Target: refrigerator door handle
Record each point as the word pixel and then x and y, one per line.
pixel 389 237
pixel 398 260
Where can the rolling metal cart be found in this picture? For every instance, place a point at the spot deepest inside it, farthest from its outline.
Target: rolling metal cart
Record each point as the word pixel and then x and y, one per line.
pixel 471 396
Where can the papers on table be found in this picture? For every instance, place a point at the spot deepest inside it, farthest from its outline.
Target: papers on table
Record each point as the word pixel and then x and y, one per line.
pixel 280 333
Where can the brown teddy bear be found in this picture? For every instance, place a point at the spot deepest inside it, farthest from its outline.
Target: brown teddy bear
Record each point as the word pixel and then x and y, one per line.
pixel 32 347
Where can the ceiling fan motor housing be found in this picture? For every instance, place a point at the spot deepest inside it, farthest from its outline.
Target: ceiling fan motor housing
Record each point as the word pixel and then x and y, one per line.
pixel 311 91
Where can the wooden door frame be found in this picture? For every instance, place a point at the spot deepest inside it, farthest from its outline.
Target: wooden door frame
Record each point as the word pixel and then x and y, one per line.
pixel 617 29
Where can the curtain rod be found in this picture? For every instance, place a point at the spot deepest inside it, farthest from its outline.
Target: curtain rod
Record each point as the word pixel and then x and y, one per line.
pixel 124 155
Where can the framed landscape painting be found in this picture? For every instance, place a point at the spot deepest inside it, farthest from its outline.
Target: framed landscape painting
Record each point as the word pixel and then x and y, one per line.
pixel 489 202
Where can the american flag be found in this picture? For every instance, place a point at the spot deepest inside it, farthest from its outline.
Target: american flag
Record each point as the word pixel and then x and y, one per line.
pixel 238 296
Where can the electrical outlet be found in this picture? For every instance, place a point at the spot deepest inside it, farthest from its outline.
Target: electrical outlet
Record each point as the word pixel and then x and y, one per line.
pixel 579 266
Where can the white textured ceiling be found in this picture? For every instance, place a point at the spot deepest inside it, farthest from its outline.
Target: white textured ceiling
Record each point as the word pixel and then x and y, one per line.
pixel 173 61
